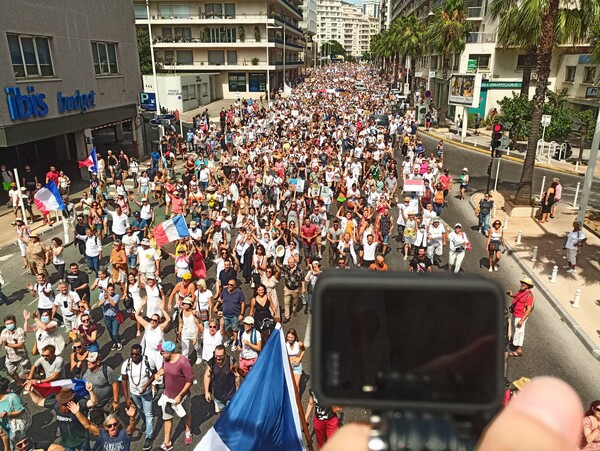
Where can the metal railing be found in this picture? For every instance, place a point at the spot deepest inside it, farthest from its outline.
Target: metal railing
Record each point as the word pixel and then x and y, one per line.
pixel 172 65
pixel 481 38
pixel 474 12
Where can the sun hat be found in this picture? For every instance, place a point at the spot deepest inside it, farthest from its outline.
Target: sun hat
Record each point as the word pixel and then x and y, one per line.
pixel 527 281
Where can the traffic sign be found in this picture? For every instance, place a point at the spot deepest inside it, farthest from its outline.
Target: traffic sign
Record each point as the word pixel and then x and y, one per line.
pixel 471 65
pixel 504 142
pixel 154 122
pixel 148 101
pixel 170 117
pixel 546 119
pixel 427 94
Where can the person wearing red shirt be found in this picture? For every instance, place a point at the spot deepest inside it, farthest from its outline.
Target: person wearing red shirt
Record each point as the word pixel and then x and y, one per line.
pixel 177 204
pixel 309 233
pixel 446 182
pixel 52 174
pixel 521 307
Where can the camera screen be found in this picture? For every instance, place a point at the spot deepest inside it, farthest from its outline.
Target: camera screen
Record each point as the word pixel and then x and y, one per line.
pixel 414 344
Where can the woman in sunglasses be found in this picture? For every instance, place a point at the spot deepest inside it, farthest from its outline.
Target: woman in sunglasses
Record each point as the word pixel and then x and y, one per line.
pixel 78 358
pixel 88 332
pixel 112 435
pixel 495 245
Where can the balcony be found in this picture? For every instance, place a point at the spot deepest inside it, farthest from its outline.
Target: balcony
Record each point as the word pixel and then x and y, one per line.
pixel 199 43
pixel 475 13
pixel 203 19
pixel 292 7
pixel 481 38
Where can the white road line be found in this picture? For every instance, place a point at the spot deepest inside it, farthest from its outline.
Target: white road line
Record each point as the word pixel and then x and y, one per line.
pixel 308 331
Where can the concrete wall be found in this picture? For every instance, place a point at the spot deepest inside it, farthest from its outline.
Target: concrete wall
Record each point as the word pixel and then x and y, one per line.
pixel 172 90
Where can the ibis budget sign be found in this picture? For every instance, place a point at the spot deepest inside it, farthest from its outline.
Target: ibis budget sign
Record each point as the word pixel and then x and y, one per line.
pixel 23 105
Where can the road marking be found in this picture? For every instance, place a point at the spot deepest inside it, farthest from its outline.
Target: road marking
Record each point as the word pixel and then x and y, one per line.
pixel 308 331
pixel 6 257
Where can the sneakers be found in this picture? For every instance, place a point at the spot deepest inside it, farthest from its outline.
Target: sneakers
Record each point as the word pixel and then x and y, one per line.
pixel 119 346
pixel 495 268
pixel 233 347
pixel 227 342
pixel 320 255
pixel 198 360
pixel 148 444
pixel 166 446
pixel 113 347
pixel 490 270
pixel 570 270
pixel 188 437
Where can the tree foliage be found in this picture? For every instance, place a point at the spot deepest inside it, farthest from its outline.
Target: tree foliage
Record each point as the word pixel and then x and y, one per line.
pixel 336 48
pixel 143 44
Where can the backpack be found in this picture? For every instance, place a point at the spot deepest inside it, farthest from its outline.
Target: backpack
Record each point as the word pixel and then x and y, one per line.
pixel 253 337
pixel 146 364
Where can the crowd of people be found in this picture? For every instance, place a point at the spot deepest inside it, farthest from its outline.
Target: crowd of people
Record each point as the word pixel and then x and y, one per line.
pixel 270 193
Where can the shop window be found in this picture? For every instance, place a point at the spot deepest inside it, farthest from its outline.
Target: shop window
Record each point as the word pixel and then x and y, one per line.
pixel 237 82
pixel 589 74
pixel 30 56
pixel 105 58
pixel 257 82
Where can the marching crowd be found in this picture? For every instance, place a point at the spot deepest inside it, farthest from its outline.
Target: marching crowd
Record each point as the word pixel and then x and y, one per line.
pixel 268 193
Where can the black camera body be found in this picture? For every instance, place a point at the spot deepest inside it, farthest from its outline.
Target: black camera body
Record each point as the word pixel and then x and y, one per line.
pixel 424 352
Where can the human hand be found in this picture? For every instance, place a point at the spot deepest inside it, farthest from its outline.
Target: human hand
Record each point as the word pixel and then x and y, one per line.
pixel 89 387
pixel 130 410
pixel 115 406
pixel 73 407
pixel 207 397
pixel 177 399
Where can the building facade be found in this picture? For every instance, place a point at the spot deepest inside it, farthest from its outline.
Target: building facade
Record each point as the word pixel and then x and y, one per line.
pixel 372 8
pixel 347 24
pixel 502 68
pixel 242 43
pixel 71 72
pixel 309 26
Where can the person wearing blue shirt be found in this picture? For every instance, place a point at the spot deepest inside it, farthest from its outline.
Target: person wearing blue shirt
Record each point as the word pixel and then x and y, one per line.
pixel 110 307
pixel 155 155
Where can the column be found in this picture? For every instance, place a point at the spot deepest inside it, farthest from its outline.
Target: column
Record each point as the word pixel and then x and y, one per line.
pixel 119 132
pixel 84 142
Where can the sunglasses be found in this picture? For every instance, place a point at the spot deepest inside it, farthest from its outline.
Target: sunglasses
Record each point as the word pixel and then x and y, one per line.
pixel 85 320
pixel 77 347
pixel 110 425
pixel 154 320
pixel 212 327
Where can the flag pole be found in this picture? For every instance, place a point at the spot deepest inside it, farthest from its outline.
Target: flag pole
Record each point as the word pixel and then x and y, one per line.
pixel 16 171
pixel 300 409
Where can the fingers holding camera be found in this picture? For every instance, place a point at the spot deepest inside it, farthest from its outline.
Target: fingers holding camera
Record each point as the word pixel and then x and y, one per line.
pixel 352 437
pixel 545 415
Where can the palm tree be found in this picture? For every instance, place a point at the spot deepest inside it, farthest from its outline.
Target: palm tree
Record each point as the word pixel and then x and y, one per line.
pixel 556 25
pixel 447 35
pixel 410 39
pixel 509 34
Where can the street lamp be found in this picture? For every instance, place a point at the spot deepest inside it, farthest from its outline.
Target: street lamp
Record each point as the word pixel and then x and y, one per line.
pixel 160 127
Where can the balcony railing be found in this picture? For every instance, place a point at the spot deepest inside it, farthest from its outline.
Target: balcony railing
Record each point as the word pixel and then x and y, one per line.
pixel 481 38
pixel 170 64
pixel 292 7
pixel 474 12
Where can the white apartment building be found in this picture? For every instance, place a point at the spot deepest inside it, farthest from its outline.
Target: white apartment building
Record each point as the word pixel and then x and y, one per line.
pixel 347 24
pixel 309 26
pixel 372 8
pixel 240 44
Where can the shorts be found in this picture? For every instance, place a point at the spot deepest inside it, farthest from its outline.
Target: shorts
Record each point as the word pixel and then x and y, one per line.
pixel 386 238
pixel 13 367
pixel 572 256
pixel 297 369
pixel 232 323
pixel 246 364
pixel 367 263
pixel 98 227
pixel 220 406
pixel 168 412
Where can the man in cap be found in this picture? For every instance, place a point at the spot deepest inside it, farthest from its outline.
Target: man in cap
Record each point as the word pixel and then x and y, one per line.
pixel 104 379
pixel 73 435
pixel 148 260
pixel 249 345
pixel 195 232
pixel 575 241
pixel 178 378
pixel 521 307
pixel 436 240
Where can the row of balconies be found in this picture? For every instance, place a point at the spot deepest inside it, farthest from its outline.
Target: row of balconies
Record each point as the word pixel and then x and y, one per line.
pixel 230 65
pixel 300 44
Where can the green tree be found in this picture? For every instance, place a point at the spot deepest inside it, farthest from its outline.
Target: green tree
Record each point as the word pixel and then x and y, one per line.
pixel 562 123
pixel 408 37
pixel 446 36
pixel 553 26
pixel 143 44
pixel 333 48
pixel 515 115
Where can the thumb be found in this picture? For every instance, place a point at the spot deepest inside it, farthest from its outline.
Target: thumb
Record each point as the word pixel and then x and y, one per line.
pixel 546 415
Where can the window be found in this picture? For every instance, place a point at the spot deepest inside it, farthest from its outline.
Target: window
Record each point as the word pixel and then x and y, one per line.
pixel 433 65
pixel 214 10
pixel 169 57
pixel 230 10
pixel 216 57
pixel 257 82
pixel 589 74
pixel 166 11
pixel 30 56
pixel 105 58
pixel 232 57
pixel 185 57
pixel 521 59
pixel 483 61
pixel 183 33
pixel 167 34
pixel 570 73
pixel 237 82
pixel 188 92
pixel 222 34
pixel 204 88
pixel 140 11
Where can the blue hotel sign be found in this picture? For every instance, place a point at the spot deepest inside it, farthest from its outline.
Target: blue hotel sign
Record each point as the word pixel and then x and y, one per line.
pixel 28 104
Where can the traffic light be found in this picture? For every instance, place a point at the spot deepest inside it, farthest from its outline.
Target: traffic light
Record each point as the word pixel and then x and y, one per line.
pixel 497 132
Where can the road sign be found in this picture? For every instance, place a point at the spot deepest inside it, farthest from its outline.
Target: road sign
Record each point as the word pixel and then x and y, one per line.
pixel 418 74
pixel 504 142
pixel 472 66
pixel 148 101
pixel 427 94
pixel 165 122
pixel 154 121
pixel 431 74
pixel 170 117
pixel 546 118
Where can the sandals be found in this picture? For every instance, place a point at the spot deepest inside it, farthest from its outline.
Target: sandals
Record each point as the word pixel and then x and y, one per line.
pixel 515 354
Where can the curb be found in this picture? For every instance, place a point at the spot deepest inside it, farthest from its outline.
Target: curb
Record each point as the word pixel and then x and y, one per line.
pixel 504 157
pixel 587 342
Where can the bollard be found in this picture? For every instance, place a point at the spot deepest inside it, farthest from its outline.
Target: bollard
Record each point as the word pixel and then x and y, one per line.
pixel 576 195
pixel 576 299
pixel 542 189
pixel 494 213
pixel 507 151
pixel 577 166
pixel 554 274
pixel 534 254
pixel 519 236
pixel 505 223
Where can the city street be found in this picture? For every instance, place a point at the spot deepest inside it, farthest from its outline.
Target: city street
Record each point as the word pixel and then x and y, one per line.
pixel 550 348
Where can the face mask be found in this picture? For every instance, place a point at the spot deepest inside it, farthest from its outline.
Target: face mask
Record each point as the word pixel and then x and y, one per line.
pixel 45 319
pixel 10 326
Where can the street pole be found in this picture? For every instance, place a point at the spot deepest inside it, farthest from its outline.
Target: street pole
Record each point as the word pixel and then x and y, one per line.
pixel 589 173
pixel 154 79
pixel 268 69
pixel 284 56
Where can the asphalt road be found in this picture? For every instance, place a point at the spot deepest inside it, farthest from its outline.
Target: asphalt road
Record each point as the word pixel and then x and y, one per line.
pixel 550 347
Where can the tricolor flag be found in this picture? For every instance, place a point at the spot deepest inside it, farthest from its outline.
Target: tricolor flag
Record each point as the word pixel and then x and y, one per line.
pixel 90 162
pixel 48 198
pixel 52 388
pixel 263 414
pixel 171 230
pixel 414 186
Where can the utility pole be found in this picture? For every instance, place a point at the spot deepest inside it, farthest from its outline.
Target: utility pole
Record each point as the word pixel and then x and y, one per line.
pixel 589 173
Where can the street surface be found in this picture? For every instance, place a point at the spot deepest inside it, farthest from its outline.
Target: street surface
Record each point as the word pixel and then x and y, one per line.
pixel 550 348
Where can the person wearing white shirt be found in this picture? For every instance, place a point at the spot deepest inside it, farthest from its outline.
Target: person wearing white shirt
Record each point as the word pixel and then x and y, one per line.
pixel 195 232
pixel 119 222
pixel 43 290
pixel 93 249
pixel 148 260
pixel 369 250
pixel 130 242
pixel 575 241
pixel 67 302
pixel 458 243
pixel 436 240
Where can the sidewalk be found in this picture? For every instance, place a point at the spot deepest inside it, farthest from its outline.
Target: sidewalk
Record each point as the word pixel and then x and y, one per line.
pixel 550 238
pixel 481 143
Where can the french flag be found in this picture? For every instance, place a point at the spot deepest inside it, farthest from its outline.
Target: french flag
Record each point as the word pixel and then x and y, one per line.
pixel 48 198
pixel 171 230
pixel 52 388
pixel 268 393
pixel 90 162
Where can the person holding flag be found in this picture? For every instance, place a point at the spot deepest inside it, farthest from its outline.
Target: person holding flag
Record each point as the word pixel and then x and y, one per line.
pixel 91 162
